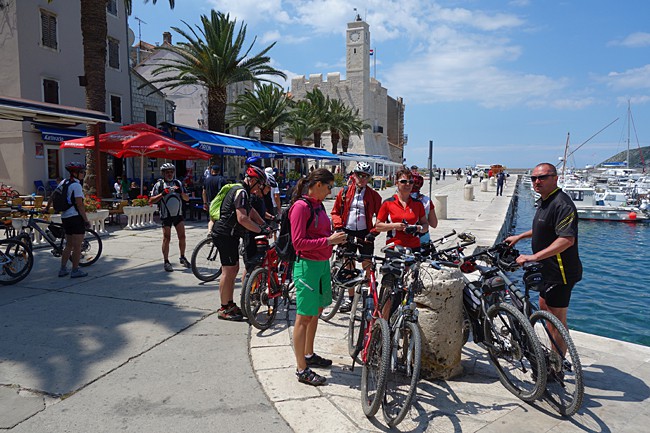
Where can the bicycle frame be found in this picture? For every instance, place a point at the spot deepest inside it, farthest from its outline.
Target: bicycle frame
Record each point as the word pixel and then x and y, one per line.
pixel 32 224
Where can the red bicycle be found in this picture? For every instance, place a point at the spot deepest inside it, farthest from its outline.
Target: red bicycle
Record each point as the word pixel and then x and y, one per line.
pixel 7 191
pixel 268 283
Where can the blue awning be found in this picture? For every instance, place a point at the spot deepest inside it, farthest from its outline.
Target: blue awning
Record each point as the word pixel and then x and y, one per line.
pixel 293 151
pixel 319 153
pixel 208 142
pixel 49 133
pixel 255 148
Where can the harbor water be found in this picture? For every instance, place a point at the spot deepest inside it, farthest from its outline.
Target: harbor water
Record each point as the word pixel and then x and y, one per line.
pixel 613 299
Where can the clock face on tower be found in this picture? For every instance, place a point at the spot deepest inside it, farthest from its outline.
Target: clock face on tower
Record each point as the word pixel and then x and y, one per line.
pixel 355 36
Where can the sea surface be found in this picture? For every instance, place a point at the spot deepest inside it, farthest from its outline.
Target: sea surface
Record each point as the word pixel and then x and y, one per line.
pixel 613 298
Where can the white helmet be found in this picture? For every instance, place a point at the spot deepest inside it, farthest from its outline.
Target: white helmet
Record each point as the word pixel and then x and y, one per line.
pixel 167 166
pixel 363 167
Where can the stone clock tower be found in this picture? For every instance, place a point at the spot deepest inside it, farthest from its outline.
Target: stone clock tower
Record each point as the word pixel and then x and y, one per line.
pixel 357 48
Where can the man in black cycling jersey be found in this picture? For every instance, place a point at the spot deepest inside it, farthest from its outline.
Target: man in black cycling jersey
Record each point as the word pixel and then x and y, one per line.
pixel 169 193
pixel 236 217
pixel 554 242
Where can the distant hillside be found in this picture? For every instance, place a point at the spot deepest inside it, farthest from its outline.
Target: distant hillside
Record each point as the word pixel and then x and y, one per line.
pixel 635 157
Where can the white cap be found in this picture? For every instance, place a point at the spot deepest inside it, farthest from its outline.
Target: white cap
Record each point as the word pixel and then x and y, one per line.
pixel 269 171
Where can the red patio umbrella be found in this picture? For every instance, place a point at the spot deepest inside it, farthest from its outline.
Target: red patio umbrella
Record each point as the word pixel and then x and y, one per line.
pixel 138 140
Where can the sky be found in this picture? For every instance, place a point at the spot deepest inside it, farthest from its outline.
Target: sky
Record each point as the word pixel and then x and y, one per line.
pixel 488 81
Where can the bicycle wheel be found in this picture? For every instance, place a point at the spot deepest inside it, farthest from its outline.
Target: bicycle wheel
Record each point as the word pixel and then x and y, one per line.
pixel 356 325
pixel 564 383
pixel 375 369
pixel 515 351
pixel 205 265
pixel 403 375
pixel 91 248
pixel 26 239
pixel 16 261
pixel 259 309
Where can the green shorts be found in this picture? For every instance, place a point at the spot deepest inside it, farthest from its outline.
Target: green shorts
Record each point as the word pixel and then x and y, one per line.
pixel 313 281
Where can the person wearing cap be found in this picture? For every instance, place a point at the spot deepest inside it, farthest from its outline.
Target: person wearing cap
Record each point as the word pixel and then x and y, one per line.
pixel 272 199
pixel 354 209
pixel 211 187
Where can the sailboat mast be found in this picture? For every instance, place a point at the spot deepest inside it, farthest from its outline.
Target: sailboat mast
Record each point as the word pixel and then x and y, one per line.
pixel 629 115
pixel 566 150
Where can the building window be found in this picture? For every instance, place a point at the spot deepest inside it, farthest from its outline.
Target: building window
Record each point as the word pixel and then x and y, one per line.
pixel 52 162
pixel 114 53
pixel 111 7
pixel 48 30
pixel 116 109
pixel 150 118
pixel 50 91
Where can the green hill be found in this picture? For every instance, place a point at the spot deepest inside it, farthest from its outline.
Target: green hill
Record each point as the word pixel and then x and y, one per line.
pixel 635 157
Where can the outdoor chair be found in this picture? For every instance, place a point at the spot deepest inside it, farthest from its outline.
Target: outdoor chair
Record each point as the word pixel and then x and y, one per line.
pixel 117 212
pixel 40 187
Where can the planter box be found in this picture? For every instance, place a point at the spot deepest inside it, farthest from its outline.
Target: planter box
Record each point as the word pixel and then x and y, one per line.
pixel 96 220
pixel 139 217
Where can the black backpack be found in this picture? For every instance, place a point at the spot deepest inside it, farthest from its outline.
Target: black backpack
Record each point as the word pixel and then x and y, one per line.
pixel 60 197
pixel 284 244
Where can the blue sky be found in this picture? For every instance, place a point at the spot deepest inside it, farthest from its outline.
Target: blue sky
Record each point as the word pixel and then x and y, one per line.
pixel 488 81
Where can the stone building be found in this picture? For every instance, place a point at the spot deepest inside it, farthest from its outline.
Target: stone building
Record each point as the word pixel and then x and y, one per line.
pixel 360 91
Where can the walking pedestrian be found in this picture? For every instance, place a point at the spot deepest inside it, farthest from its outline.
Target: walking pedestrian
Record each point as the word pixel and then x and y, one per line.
pixel 501 178
pixel 169 193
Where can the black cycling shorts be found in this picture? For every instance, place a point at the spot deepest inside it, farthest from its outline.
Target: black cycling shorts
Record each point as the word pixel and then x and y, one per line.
pixel 366 248
pixel 228 247
pixel 74 225
pixel 172 221
pixel 557 295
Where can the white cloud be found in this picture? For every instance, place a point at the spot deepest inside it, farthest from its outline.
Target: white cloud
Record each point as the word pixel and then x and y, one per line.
pixel 635 40
pixel 252 12
pixel 637 78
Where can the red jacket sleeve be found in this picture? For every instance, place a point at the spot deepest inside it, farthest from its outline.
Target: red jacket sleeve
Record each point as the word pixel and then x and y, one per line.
pixel 337 218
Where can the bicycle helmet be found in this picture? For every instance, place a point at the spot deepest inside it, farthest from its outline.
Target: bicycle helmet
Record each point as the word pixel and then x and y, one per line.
pixel 256 172
pixel 167 166
pixel 507 259
pixel 254 160
pixel 418 181
pixel 363 167
pixel 75 167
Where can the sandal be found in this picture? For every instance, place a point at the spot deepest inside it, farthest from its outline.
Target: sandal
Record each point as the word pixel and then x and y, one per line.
pixel 309 377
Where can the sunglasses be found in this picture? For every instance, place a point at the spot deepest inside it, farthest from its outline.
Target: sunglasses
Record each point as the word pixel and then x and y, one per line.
pixel 540 177
pixel 329 186
pixel 405 181
pixel 363 175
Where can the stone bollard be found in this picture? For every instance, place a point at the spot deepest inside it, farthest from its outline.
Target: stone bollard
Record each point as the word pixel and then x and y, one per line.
pixel 468 193
pixel 484 185
pixel 440 203
pixel 441 322
pixel 493 181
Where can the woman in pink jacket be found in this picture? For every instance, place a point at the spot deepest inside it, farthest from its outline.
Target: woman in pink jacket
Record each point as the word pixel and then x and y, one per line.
pixel 311 271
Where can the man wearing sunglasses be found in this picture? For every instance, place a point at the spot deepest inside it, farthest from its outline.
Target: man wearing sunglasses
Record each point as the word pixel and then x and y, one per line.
pixel 554 242
pixel 354 209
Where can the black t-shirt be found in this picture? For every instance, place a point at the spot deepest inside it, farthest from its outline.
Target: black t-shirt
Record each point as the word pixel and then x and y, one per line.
pixel 557 217
pixel 212 186
pixel 227 225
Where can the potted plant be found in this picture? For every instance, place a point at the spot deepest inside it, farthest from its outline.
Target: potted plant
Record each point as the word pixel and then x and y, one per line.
pixel 92 203
pixel 140 201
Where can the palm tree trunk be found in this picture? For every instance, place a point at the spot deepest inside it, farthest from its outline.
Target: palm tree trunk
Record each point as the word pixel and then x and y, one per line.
pixel 335 141
pixel 266 135
pixel 94 34
pixel 317 137
pixel 345 143
pixel 217 104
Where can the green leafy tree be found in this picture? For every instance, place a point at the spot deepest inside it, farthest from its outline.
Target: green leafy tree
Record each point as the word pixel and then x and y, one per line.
pixel 300 126
pixel 319 108
pixel 354 126
pixel 214 56
pixel 267 108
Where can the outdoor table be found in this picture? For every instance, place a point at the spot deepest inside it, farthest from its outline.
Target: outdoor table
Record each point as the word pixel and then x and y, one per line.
pixel 196 208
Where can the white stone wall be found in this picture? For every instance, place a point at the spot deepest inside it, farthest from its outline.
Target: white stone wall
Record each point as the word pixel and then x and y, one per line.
pixel 144 100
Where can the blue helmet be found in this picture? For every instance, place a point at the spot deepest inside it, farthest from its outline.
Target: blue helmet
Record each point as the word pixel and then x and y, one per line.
pixel 254 160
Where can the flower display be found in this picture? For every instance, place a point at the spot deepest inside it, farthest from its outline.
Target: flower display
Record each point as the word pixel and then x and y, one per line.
pixel 92 203
pixel 141 200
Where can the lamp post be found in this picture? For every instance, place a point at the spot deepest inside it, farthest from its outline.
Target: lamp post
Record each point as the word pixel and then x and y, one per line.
pixel 430 165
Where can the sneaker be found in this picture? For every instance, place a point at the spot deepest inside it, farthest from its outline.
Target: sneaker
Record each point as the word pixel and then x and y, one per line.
pixel 346 306
pixel 168 267
pixel 310 378
pixel 231 312
pixel 77 273
pixel 63 272
pixel 317 361
pixel 185 262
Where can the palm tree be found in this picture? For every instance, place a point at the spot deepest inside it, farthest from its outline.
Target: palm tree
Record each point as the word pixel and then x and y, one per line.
pixel 354 126
pixel 94 33
pixel 214 57
pixel 300 126
pixel 319 107
pixel 267 109
pixel 338 116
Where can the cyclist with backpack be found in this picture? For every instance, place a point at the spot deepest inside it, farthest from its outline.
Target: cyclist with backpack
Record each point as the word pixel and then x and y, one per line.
pixel 311 272
pixel 169 193
pixel 353 211
pixel 73 218
pixel 236 217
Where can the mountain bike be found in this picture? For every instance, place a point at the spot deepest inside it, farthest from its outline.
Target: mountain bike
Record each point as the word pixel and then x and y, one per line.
pixel 204 261
pixel 16 261
pixel 266 284
pixel 564 382
pixel 54 234
pixel 7 192
pixel 512 344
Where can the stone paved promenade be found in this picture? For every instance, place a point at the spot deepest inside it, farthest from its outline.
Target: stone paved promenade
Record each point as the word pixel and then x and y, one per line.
pixel 133 348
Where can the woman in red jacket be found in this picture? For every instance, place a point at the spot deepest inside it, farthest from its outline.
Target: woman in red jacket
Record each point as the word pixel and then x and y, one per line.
pixel 311 271
pixel 354 209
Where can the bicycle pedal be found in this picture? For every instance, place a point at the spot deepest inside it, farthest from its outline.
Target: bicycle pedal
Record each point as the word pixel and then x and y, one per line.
pixel 56 253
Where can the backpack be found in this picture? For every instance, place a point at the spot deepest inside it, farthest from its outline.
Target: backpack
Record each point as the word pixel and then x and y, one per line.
pixel 284 243
pixel 217 201
pixel 60 197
